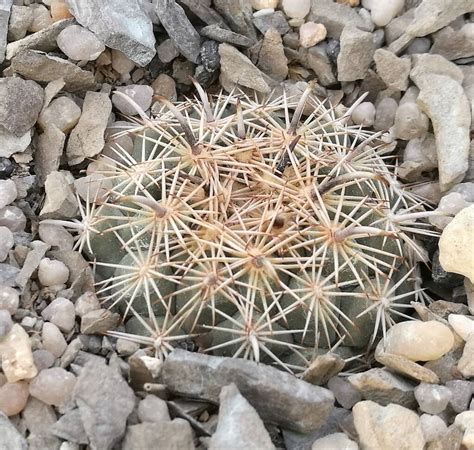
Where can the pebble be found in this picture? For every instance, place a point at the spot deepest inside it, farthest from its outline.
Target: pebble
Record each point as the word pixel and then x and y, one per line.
pixel 383 11
pixel 268 20
pixel 455 244
pixel 59 10
pixel 312 33
pixel 121 63
pixel 385 114
pixel 466 362
pixel 53 340
pixel 432 398
pixel 56 236
pixel 335 441
pixel 167 51
pixel 271 58
pixel 346 394
pixel 20 20
pixel 239 424
pixel 79 44
pixel 390 427
pixel 462 325
pixel 95 186
pixel 52 272
pixel 9 299
pixel 264 4
pixel 41 18
pixel 86 303
pixel 6 323
pixel 165 86
pixel 99 321
pixel 62 112
pixel 140 94
pixel 43 359
pixel 6 166
pixel 153 409
pixel 465 421
pixel 364 114
pixel 125 347
pixel 16 355
pixel 433 427
pixel 394 71
pixel 6 242
pixel 296 9
pixel 410 122
pixel 13 398
pixel 60 312
pixel 419 45
pixel 461 394
pixel 53 386
pixel 13 218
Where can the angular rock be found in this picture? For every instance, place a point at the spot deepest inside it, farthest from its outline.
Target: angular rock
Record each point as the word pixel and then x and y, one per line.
pixel 49 149
pixel 219 34
pixel 322 368
pixel 5 9
pixel 393 70
pixel 176 434
pixel 78 43
pixel 60 312
pixel 271 58
pixel 69 427
pixel 20 104
pixel 153 409
pixel 38 417
pixel 20 20
pixel 318 61
pixel 239 424
pixel 238 14
pixel 346 394
pixel 427 64
pixel 120 24
pixel 454 44
pixel 53 386
pixel 277 396
pixel 392 427
pixel 462 325
pixel 455 244
pixel 179 28
pixel 236 68
pixel 357 51
pixel 99 321
pixel 43 40
pixel 276 20
pixel 60 201
pixel 31 262
pixel 62 112
pixel 335 17
pixel 10 437
pixel 12 144
pixel 38 66
pixel 53 340
pixel 167 51
pixel 87 138
pixel 432 398
pixel 105 401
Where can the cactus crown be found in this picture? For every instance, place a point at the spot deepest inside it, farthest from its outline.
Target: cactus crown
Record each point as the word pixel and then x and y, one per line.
pixel 254 228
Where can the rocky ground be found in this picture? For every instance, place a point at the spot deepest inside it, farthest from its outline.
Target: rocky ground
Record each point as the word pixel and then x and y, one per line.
pixel 63 384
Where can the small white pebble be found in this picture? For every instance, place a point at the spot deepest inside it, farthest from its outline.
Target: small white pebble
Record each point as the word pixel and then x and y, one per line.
pixel 462 325
pixel 312 33
pixel 9 299
pixel 60 312
pixel 6 242
pixel 8 192
pixel 364 114
pixel 264 4
pixel 296 9
pixel 53 339
pixel 52 272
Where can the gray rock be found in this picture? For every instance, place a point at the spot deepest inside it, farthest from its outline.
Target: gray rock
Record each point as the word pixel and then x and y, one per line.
pixel 336 16
pixel 8 274
pixel 10 438
pixel 12 144
pixel 277 396
pixel 20 104
pixel 60 200
pixel 120 24
pixel 38 418
pixel 5 9
pixel 167 51
pixel 69 427
pixel 443 100
pixel 239 425
pixel 432 398
pixel 220 34
pixel 461 394
pixel 393 70
pixel 203 10
pixel 316 59
pixel 238 14
pixel 179 28
pixel 176 434
pixel 140 94
pixel 346 394
pixel 323 367
pixel 430 16
pixel 153 409
pixel 105 401
pixel 44 40
pixel 454 44
pixel 87 138
pixel 31 262
pixel 38 66
pixel 99 321
pixel 276 20
pixel 20 20
pixel 426 64
pixel 357 51
pixel 211 61
pixel 383 387
pixel 271 58
pixel 236 68
pixel 49 149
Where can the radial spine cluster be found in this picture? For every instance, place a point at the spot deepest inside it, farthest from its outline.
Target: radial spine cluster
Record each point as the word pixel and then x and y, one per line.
pixel 254 229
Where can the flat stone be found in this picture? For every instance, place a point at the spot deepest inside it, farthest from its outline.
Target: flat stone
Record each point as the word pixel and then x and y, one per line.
pixel 238 69
pixel 357 51
pixel 383 387
pixel 205 12
pixel 87 138
pixel 153 409
pixel 238 15
pixel 454 44
pixel 60 200
pixel 70 428
pixel 53 386
pixel 462 325
pixel 20 104
pixel 176 434
pixel 99 321
pixel 179 28
pixel 49 149
pixel 43 40
pixel 317 60
pixel 393 70
pixel 31 263
pixel 10 437
pixel 427 64
pixel 105 401
pixel 392 427
pixel 277 396
pixel 455 244
pixel 239 424
pixel 335 17
pixel 271 58
pixel 37 418
pixel 119 24
pixel 38 66
pixel 322 368
pixel 220 34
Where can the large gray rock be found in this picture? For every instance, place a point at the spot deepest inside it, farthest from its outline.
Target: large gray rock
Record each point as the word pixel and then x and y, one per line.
pixel 70 427
pixel 392 70
pixel 105 401
pixel 355 57
pixel 20 104
pixel 277 396
pixel 10 438
pixel 239 425
pixel 238 14
pixel 38 66
pixel 5 8
pixel 120 24
pixel 454 44
pixel 179 28
pixel 87 138
pixel 336 16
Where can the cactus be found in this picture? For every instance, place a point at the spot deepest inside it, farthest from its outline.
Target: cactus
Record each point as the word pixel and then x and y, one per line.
pixel 254 229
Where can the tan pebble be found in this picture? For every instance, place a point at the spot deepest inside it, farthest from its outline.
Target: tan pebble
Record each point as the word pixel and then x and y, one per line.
pixel 13 397
pixel 59 10
pixel 311 33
